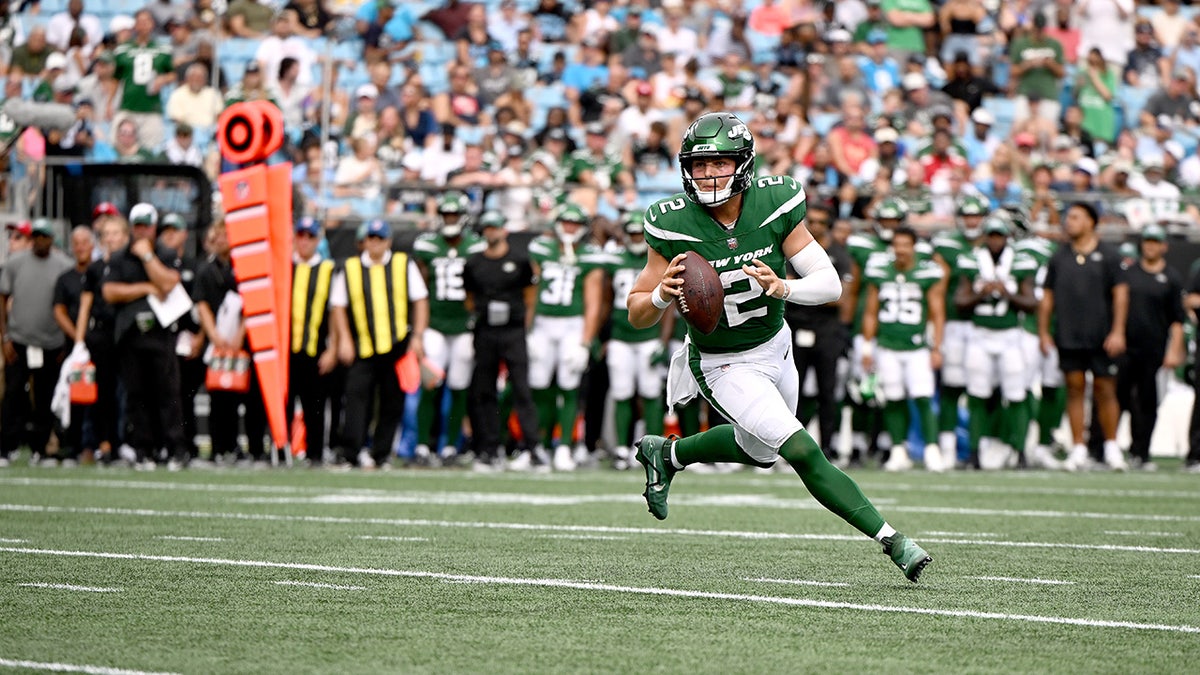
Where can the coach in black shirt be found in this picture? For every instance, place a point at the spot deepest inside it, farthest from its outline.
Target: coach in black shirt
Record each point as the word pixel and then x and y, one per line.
pixel 500 289
pixel 145 348
pixel 1086 293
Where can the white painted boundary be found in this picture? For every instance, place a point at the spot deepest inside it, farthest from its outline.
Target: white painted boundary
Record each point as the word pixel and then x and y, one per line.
pixel 597 537
pixel 171 537
pixel 70 587
pixel 73 668
pixel 1050 582
pixel 612 588
pixel 590 529
pixel 382 538
pixel 309 584
pixel 4 540
pixel 797 582
pixel 1137 533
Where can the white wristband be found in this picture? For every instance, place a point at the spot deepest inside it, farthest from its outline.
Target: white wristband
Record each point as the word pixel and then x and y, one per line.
pixel 657 299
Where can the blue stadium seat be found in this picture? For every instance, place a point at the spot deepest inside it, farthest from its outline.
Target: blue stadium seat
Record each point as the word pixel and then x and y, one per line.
pixel 52 7
pixel 762 46
pixel 124 6
pixel 1004 110
pixel 822 123
pixel 237 48
pixel 1132 100
pixel 435 77
pixel 350 50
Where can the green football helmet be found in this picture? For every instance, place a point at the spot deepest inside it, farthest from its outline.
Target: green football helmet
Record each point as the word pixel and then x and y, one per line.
pixel 717 134
pixel 633 224
pixel 890 209
pixel 456 205
pixel 570 213
pixel 972 209
pixel 997 224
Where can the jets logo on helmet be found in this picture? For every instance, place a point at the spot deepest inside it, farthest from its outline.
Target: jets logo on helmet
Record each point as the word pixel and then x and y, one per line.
pixel 634 226
pixel 971 211
pixel 717 135
pixel 453 214
pixel 569 214
pixel 893 210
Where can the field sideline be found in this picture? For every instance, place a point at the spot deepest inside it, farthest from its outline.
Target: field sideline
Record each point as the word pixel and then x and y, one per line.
pixel 110 571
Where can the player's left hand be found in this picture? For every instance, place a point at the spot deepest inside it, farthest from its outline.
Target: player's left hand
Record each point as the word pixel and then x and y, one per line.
pixel 1114 344
pixel 766 278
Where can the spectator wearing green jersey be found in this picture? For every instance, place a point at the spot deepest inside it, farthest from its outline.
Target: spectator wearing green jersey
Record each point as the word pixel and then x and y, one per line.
pixel 144 67
pixel 1037 71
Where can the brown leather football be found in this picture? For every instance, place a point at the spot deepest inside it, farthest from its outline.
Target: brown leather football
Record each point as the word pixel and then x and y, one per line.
pixel 703 299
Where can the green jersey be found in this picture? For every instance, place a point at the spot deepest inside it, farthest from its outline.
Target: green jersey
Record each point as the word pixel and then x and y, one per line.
pixel 1040 250
pixel 444 263
pixel 561 274
pixel 605 168
pixel 137 67
pixel 624 268
pixel 903 302
pixel 772 207
pixel 951 244
pixel 1013 268
pixel 868 249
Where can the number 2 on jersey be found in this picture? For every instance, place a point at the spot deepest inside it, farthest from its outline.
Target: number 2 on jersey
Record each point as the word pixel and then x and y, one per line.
pixel 734 313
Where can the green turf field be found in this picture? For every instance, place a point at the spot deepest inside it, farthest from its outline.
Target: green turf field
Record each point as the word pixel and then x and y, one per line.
pixel 298 571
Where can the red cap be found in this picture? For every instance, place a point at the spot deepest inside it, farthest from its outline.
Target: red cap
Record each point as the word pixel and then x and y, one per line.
pixel 24 228
pixel 644 89
pixel 1025 139
pixel 105 209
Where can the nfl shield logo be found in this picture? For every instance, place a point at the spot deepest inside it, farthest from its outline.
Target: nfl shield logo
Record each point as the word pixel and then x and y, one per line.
pixel 731 242
pixel 242 189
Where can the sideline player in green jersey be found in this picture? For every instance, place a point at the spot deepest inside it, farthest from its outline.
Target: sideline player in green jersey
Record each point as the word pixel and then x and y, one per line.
pixel 563 326
pixel 631 351
pixel 997 284
pixel 449 346
pixel 747 229
pixel 1042 368
pixel 949 246
pixel 906 299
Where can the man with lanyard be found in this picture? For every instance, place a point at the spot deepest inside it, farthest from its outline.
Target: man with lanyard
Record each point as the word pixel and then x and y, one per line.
pixel 314 346
pixel 145 347
pixel 380 307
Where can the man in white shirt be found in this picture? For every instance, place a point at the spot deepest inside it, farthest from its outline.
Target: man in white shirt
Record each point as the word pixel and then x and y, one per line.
pixel 677 38
pixel 1162 195
pixel 284 42
pixel 635 120
pixel 61 25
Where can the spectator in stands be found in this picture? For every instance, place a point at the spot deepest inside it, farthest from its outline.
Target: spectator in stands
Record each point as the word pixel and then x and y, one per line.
pixel 460 105
pixel 359 175
pixel 1144 64
pixel 958 21
pixel 628 34
pixel 599 21
pixel 62 24
pixel 495 78
pixel 526 56
pixel 770 18
pixel 1095 89
pixel 1106 25
pixel 129 150
pixel 1162 194
pixel 921 101
pixel 205 55
pixel 1062 25
pixel 203 19
pixel 1174 101
pixel 850 144
pixel 252 88
pixel 1000 189
pixel 634 122
pixel 181 148
pixel 677 38
pixel 185 44
pixel 32 340
pixel 1168 26
pixel 1037 71
pixel 416 115
pixel 880 71
pixel 283 43
pixel 966 87
pixel 56 63
pixel 450 16
pixel 20 237
pixel 906 21
pixel 1187 54
pixel 846 84
pixel 289 94
pixel 474 177
pixel 311 19
pixel 167 11
pixel 553 22
pixel 30 57
pixel 380 75
pixel 1072 128
pixel 873 20
pixel 385 27
pixel 195 103
pixel 144 67
pixel 514 102
pixel 101 88
pixel 505 23
pixel 249 19
pixel 472 40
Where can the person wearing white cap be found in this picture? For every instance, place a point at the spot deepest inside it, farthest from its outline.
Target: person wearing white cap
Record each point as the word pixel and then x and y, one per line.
pixel 144 67
pixel 980 143
pixel 1162 194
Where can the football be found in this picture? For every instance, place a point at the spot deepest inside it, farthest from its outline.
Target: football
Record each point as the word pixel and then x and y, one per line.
pixel 703 298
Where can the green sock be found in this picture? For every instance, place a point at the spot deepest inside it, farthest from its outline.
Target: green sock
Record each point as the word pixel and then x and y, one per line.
pixel 948 410
pixel 715 445
pixel 454 420
pixel 925 417
pixel 545 400
pixel 895 420
pixel 652 414
pixel 835 490
pixel 689 418
pixel 978 423
pixel 567 415
pixel 1018 416
pixel 426 411
pixel 1050 413
pixel 623 419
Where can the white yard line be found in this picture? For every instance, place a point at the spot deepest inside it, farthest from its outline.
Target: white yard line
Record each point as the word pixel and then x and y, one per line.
pixel 1139 533
pixel 940 533
pixel 374 538
pixel 1028 490
pixel 599 537
pixel 309 584
pixel 613 588
pixel 1050 582
pixel 589 529
pixel 4 540
pixel 70 587
pixel 797 582
pixel 170 537
pixel 74 668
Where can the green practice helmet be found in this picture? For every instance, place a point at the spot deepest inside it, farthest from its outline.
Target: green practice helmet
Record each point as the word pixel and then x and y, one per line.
pixel 633 223
pixel 570 213
pixel 453 203
pixel 717 134
pixel 891 208
pixel 973 205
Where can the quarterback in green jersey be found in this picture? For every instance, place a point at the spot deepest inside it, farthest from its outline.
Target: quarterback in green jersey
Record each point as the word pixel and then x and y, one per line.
pixel 902 331
pixel 747 228
pixel 566 319
pixel 631 351
pixel 449 346
pixel 997 284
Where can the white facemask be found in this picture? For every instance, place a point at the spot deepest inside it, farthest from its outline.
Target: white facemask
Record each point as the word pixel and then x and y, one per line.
pixel 636 247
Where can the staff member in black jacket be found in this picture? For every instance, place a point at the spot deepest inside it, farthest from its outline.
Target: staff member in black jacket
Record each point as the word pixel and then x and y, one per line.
pixel 189 340
pixel 1154 338
pixel 500 288
pixel 1085 290
pixel 380 307
pixel 145 348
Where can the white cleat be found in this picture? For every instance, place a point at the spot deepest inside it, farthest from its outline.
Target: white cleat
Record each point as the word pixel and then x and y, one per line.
pixel 563 461
pixel 898 460
pixel 1078 459
pixel 522 462
pixel 1041 457
pixel 365 461
pixel 1115 459
pixel 933 458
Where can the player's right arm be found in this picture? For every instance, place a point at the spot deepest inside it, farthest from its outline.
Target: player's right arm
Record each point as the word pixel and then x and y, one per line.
pixel 656 288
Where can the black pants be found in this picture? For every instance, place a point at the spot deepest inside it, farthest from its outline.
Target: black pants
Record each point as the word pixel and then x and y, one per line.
pixel 27 415
pixel 822 357
pixel 191 378
pixel 154 415
pixel 1137 392
pixel 311 389
pixel 493 345
pixel 223 420
pixel 369 381
pixel 595 401
pixel 107 410
pixel 1193 456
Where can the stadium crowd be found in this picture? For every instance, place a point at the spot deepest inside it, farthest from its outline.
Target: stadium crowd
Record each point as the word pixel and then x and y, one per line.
pixel 470 121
